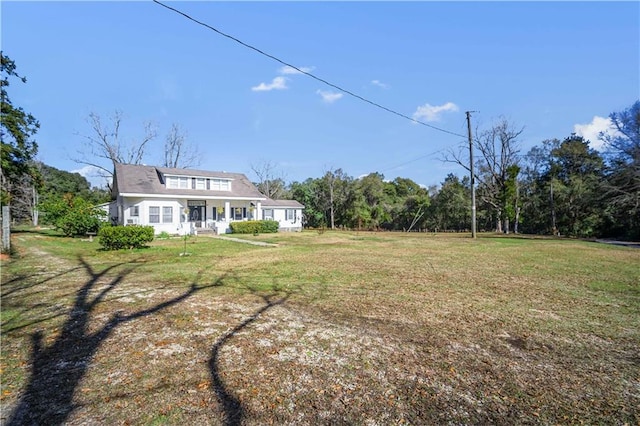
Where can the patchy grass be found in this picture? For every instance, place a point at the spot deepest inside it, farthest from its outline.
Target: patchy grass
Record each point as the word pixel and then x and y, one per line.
pixel 332 328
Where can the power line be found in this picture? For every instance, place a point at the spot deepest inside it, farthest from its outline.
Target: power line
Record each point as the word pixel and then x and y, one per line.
pixel 412 160
pixel 305 72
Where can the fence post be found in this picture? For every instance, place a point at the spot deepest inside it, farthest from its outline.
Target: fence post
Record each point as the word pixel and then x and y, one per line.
pixel 6 229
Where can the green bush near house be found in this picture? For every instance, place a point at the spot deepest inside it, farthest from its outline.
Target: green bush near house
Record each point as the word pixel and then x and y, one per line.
pixel 74 216
pixel 255 227
pixel 125 237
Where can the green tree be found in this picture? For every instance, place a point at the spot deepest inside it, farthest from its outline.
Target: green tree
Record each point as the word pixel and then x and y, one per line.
pixel 449 208
pixel 371 191
pixel 333 193
pixel 408 203
pixel 17 129
pixel 308 193
pixel 73 215
pixel 622 187
pixel 57 183
pixel 576 173
pixel 538 210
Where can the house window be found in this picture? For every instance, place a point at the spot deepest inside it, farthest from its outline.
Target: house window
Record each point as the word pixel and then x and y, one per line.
pixel 154 214
pixel 218 213
pixel 200 183
pixel 184 183
pixel 267 214
pixel 167 215
pixel 291 215
pixel 220 185
pixel 173 182
pixel 239 213
pixel 134 211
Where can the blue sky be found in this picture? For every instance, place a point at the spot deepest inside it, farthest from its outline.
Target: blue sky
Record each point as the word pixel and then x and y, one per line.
pixel 552 67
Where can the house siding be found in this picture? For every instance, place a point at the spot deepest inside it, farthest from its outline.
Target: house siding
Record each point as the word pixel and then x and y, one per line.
pixel 212 218
pixel 293 223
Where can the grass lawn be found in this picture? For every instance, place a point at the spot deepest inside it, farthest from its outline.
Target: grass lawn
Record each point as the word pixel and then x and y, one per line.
pixel 333 328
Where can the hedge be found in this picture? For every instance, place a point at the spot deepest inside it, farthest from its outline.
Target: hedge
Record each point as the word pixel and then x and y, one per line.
pixel 255 227
pixel 125 237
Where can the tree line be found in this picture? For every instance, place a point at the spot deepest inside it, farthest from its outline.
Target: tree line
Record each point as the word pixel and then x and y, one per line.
pixel 559 187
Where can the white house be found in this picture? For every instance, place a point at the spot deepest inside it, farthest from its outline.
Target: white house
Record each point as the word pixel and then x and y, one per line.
pixel 287 212
pixel 180 201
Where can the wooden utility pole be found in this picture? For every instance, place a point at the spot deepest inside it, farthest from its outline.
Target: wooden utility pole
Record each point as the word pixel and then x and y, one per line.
pixel 473 179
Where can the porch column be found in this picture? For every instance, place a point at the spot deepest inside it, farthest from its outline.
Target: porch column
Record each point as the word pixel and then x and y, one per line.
pixel 258 210
pixel 227 211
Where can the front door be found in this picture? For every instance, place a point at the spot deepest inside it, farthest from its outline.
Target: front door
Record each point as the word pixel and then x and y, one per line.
pixel 196 215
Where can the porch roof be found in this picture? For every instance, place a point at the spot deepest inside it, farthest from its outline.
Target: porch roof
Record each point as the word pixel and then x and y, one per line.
pixel 292 204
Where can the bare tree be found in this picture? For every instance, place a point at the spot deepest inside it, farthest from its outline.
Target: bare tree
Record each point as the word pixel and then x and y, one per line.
pixel 270 179
pixel 496 168
pixel 104 146
pixel 25 197
pixel 178 153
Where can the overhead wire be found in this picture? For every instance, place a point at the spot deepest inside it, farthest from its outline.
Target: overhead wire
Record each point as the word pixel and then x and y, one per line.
pixel 301 71
pixel 412 160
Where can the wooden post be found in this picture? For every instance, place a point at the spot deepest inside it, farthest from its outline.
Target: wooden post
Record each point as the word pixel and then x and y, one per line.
pixel 6 229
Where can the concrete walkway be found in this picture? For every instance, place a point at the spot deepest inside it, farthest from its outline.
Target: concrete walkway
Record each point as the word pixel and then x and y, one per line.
pixel 255 243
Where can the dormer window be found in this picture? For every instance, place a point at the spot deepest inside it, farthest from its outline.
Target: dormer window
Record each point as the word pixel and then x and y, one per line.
pixel 198 183
pixel 178 182
pixel 220 185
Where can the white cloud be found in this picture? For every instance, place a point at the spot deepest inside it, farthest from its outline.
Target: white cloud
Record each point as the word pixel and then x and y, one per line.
pixel 278 83
pixel 379 84
pixel 92 174
pixel 86 171
pixel 329 97
pixel 290 70
pixel 432 113
pixel 591 131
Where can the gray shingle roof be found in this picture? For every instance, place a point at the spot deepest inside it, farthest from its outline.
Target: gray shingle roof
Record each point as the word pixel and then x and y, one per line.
pixel 136 179
pixel 282 203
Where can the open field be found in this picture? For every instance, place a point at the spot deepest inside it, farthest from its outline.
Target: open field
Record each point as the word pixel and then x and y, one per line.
pixel 333 328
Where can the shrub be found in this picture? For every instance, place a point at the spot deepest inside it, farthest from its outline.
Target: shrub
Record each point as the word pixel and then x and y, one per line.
pixel 122 237
pixel 255 227
pixel 269 226
pixel 73 215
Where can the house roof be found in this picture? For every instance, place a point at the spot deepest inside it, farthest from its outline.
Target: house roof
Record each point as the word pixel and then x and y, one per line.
pixel 281 203
pixel 132 179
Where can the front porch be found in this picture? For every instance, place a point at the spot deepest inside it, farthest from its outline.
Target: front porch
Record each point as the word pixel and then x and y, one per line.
pixel 216 216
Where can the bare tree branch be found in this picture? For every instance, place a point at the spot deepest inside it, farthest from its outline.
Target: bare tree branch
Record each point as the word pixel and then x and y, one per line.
pixel 178 153
pixel 270 180
pixel 103 145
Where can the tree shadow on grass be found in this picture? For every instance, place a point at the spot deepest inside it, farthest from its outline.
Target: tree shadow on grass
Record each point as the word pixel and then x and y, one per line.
pixel 232 408
pixel 11 301
pixel 56 370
